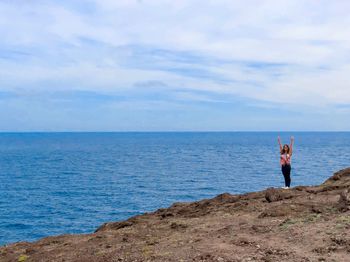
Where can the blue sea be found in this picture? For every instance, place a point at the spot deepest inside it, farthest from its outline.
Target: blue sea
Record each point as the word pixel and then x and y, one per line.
pixel 56 183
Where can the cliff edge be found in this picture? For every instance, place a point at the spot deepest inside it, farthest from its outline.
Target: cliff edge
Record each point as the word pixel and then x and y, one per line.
pixel 305 223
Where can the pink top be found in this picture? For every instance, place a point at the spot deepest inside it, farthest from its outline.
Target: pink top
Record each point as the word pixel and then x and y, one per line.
pixel 285 159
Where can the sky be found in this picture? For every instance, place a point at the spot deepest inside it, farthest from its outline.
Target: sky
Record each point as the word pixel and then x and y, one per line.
pixel 161 65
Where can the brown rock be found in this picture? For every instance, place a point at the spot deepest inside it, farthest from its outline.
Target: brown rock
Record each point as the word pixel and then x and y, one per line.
pixel 114 225
pixel 300 224
pixel 273 194
pixel 344 200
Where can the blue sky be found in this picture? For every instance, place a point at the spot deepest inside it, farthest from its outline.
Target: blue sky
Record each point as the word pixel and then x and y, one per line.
pixel 153 65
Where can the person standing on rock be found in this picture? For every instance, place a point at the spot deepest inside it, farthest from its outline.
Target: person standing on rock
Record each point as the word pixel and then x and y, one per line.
pixel 285 160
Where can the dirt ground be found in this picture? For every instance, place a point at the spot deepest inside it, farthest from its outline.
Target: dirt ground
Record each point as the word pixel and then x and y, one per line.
pixel 298 224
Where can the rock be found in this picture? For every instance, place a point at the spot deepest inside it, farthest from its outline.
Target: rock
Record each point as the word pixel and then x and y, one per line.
pixel 316 209
pixel 340 179
pixel 227 198
pixel 114 225
pixel 344 201
pixel 300 224
pixel 261 228
pixel 176 225
pixel 273 194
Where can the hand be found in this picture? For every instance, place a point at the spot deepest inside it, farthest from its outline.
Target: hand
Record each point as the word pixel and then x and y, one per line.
pixel 278 138
pixel 292 138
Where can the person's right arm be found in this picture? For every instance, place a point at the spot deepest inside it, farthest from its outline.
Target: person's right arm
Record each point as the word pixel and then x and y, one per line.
pixel 279 143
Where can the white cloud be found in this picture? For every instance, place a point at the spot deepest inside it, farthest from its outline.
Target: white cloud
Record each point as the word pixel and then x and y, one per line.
pixel 302 36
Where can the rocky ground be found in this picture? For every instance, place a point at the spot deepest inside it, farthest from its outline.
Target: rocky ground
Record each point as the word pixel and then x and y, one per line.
pixel 299 224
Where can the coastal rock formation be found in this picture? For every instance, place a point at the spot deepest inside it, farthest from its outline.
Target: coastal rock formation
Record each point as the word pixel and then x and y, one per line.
pixel 305 223
pixel 344 200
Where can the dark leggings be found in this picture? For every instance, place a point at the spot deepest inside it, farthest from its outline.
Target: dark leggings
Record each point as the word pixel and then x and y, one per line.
pixel 286 173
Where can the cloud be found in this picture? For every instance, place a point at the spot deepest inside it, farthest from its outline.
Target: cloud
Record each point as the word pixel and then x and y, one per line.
pixel 281 54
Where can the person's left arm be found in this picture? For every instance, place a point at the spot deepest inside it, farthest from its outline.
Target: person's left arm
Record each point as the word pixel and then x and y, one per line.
pixel 291 145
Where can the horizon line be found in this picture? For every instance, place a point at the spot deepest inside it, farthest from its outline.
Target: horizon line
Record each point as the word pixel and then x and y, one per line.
pixel 184 131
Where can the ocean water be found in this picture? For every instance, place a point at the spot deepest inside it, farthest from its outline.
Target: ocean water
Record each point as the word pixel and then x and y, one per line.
pixel 55 183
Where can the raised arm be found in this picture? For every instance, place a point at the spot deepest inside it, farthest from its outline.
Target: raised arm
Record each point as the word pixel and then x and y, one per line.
pixel 279 143
pixel 291 145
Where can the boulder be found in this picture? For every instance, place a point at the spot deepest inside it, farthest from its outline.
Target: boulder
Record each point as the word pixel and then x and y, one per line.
pixel 344 201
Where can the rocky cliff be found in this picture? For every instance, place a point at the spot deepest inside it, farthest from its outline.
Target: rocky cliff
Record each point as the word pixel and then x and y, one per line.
pixel 305 223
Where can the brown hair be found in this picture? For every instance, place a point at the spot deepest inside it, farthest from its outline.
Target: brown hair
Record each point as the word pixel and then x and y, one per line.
pixel 283 151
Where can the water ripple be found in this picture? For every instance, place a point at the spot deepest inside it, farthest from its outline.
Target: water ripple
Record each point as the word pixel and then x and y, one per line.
pixel 55 183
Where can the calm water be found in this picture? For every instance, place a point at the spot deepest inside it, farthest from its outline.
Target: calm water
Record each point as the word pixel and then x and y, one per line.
pixel 54 183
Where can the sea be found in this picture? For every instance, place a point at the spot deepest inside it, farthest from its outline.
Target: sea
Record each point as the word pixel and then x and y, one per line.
pixel 65 183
